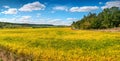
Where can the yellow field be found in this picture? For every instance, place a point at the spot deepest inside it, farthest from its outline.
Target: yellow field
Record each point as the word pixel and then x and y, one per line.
pixel 61 44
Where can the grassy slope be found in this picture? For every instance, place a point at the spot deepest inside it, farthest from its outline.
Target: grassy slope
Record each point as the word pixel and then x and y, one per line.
pixel 61 44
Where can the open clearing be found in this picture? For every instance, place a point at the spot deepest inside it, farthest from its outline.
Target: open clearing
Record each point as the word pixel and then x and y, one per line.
pixel 59 44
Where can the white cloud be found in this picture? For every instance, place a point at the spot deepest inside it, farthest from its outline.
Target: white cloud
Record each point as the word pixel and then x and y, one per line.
pixel 13 20
pixel 62 8
pixel 28 19
pixel 3 19
pixel 32 6
pixel 100 3
pixel 55 20
pixel 6 6
pixel 22 19
pixel 52 21
pixel 71 19
pixel 111 4
pixel 58 22
pixel 84 9
pixel 10 11
pixel 25 18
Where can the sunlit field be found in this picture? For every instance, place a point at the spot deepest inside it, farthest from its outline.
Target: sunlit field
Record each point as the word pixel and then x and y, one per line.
pixel 60 44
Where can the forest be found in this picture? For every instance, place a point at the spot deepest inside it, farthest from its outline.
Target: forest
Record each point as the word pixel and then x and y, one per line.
pixel 108 18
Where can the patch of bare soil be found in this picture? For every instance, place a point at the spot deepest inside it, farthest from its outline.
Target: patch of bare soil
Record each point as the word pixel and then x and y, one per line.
pixel 8 56
pixel 110 30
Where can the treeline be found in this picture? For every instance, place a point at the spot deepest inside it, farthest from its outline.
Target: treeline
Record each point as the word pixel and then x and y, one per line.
pixel 108 18
pixel 23 25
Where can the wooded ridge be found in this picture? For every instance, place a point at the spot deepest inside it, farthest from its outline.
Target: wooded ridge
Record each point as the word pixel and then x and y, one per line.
pixel 108 18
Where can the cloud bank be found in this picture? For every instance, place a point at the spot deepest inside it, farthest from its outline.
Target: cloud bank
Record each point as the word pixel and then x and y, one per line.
pixel 84 9
pixel 111 4
pixel 62 8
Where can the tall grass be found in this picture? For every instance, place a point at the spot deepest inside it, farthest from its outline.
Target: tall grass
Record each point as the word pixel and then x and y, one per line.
pixel 61 44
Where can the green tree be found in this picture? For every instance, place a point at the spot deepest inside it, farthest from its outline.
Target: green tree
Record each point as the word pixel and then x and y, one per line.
pixel 108 18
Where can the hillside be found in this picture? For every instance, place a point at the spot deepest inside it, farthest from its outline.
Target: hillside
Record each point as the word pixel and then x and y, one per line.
pixel 108 18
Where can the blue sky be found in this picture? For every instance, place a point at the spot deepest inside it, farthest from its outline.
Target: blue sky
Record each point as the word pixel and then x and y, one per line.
pixel 57 12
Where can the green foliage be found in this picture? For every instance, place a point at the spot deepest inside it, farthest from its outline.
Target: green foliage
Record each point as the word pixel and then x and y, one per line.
pixel 108 18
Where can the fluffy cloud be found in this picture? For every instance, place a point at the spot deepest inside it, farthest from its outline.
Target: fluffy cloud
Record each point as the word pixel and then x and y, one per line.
pixel 62 8
pixel 10 11
pixel 111 4
pixel 6 6
pixel 32 6
pixel 84 9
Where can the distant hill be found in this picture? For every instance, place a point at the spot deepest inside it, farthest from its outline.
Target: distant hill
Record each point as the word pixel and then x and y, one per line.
pixel 22 25
pixel 26 25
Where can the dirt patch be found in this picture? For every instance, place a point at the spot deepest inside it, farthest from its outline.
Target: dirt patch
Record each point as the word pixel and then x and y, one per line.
pixel 109 30
pixel 8 56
